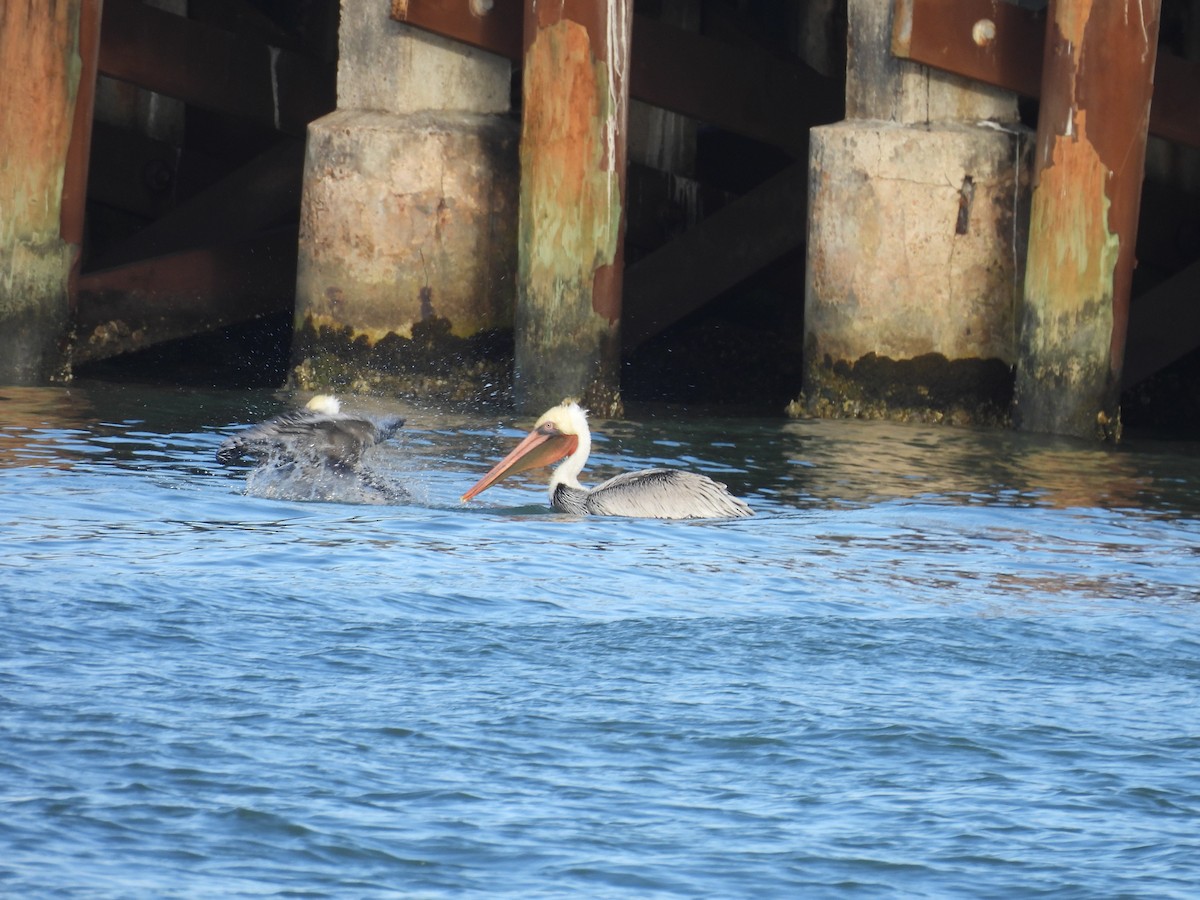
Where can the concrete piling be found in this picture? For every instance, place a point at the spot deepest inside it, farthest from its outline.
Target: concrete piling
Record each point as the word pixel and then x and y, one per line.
pixel 916 241
pixel 407 256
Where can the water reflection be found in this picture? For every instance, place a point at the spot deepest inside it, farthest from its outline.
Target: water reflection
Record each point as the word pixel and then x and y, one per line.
pixel 908 632
pixel 36 422
pixel 785 465
pixel 864 462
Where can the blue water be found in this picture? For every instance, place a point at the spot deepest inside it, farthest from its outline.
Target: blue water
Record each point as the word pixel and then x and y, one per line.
pixel 937 662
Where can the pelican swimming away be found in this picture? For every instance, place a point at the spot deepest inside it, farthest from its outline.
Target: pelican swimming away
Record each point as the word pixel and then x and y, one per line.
pixel 316 453
pixel 320 434
pixel 651 493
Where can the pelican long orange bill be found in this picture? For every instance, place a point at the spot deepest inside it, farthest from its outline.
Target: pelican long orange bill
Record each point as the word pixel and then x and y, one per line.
pixel 562 434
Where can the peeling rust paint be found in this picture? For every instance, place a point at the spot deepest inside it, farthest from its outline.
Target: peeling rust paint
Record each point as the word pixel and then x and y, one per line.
pixel 1071 265
pixel 571 213
pixel 40 50
pixel 571 195
pixel 1097 82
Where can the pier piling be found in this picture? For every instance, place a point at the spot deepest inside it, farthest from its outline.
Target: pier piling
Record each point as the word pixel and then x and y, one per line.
pixel 407 250
pixel 572 216
pixel 915 241
pixel 40 50
pixel 1097 81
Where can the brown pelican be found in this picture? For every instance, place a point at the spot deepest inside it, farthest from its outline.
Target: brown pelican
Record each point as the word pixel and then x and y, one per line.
pixel 651 493
pixel 320 435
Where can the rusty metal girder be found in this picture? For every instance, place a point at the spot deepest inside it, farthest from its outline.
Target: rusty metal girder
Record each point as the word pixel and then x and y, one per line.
pixel 994 42
pixel 1001 44
pixel 753 94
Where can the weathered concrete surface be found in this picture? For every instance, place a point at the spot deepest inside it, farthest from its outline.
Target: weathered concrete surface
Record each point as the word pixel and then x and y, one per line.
pixel 572 220
pixel 391 67
pixel 916 241
pixel 408 216
pixel 39 77
pixel 408 242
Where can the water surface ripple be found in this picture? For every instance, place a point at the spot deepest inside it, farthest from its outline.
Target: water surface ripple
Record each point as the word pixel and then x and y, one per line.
pixel 937 662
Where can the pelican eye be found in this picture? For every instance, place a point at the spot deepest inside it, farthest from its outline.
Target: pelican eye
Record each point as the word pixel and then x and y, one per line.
pixel 547 428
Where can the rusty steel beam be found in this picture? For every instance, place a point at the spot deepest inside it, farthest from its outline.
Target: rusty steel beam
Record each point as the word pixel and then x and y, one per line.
pixel 213 68
pixel 134 306
pixel 756 95
pixel 131 172
pixel 997 43
pixel 495 27
pixel 1001 44
pixel 1097 81
pixel 249 200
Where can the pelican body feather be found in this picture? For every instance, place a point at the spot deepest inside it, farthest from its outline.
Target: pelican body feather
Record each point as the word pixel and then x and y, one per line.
pixel 320 434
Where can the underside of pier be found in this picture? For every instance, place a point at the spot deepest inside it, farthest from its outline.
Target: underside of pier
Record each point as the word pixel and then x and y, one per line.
pixel 184 189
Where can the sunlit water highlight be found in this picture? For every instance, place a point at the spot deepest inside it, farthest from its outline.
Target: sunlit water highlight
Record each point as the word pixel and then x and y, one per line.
pixel 937 662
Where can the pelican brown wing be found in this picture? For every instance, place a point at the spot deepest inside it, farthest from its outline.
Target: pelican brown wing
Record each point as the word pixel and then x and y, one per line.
pixel 338 439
